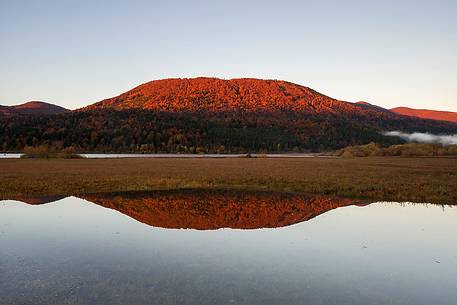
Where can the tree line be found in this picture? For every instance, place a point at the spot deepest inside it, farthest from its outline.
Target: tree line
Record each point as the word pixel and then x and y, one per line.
pixel 150 131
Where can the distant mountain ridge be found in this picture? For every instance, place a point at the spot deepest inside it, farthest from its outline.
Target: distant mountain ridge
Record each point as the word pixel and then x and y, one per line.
pixel 366 105
pixel 437 115
pixel 427 114
pixel 32 107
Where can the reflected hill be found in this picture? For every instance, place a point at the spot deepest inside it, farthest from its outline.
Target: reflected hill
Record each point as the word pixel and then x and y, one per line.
pixel 215 209
pixel 39 200
pixel 211 209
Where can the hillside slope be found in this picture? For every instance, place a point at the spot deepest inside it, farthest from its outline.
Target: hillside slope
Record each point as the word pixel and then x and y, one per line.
pixel 278 100
pixel 234 95
pixel 427 114
pixel 33 107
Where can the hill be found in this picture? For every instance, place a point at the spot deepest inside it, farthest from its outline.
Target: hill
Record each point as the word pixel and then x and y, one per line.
pixel 427 114
pixel 244 96
pixel 210 115
pixel 234 95
pixel 33 107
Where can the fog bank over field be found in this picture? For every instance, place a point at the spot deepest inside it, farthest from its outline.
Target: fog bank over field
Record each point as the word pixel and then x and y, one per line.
pixel 424 137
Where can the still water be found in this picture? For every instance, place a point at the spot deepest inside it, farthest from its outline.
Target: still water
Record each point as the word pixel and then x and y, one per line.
pixel 166 155
pixel 222 247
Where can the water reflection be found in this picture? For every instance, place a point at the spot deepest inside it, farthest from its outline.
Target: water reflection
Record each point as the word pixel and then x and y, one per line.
pixel 39 200
pixel 212 209
pixel 87 251
pixel 209 210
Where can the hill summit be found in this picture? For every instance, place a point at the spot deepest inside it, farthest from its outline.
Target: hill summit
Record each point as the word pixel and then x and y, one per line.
pixel 205 94
pixel 33 107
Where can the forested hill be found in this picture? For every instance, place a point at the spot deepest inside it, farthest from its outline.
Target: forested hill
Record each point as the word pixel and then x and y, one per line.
pixel 271 99
pixel 208 115
pixel 235 95
pixel 33 107
pixel 427 114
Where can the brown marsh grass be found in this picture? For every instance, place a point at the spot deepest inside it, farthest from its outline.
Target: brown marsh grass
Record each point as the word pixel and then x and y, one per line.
pixel 378 178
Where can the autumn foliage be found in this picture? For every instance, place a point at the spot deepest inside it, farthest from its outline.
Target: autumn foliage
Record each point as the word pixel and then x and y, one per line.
pixel 32 108
pixel 210 115
pixel 214 209
pixel 234 95
pixel 427 114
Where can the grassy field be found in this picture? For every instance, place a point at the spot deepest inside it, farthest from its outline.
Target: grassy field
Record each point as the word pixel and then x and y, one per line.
pixel 379 178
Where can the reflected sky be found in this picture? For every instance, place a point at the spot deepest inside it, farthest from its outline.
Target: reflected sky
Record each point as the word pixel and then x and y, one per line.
pixel 74 251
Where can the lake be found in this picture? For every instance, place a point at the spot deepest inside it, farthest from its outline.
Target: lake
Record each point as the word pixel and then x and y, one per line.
pixel 164 155
pixel 225 247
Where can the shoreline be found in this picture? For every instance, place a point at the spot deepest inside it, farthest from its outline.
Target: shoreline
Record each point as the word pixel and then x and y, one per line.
pixel 173 155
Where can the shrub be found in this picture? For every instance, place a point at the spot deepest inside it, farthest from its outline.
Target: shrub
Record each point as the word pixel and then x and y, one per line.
pixel 451 150
pixel 413 150
pixel 69 153
pixel 401 150
pixel 41 151
pixel 367 150
pixel 44 152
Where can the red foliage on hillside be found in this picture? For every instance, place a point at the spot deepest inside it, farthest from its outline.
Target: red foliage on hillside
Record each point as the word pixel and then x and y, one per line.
pixel 208 210
pixel 212 209
pixel 218 95
pixel 427 114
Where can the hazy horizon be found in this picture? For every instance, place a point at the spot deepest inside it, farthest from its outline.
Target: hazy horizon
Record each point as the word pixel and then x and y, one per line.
pixel 386 53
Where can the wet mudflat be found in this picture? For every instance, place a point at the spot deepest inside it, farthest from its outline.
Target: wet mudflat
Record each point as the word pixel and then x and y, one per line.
pixel 225 247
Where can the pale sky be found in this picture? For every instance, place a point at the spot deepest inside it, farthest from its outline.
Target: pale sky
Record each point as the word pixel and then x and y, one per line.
pixel 74 53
